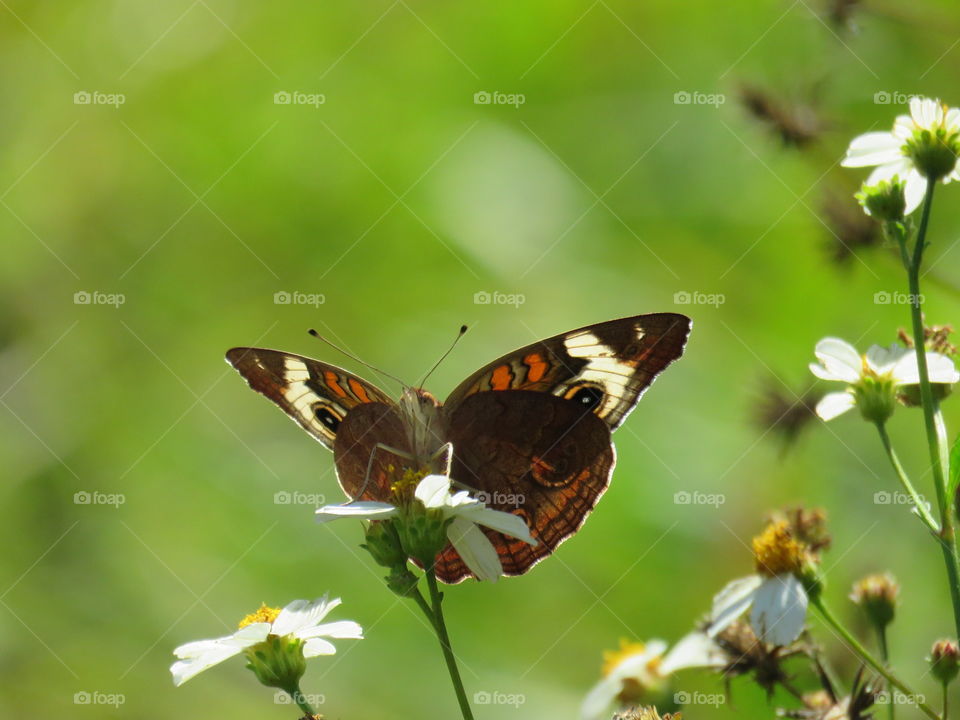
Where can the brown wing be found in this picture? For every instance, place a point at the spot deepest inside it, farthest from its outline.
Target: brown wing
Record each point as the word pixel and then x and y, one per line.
pixel 607 365
pixel 317 396
pixel 356 451
pixel 541 457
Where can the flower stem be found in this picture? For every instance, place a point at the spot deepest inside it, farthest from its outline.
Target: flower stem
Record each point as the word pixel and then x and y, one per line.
pixel 441 628
pixel 854 644
pixel 301 701
pixel 936 436
pixel 918 502
pixel 885 656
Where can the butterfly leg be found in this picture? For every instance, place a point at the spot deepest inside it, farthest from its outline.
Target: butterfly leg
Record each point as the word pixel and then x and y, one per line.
pixel 373 453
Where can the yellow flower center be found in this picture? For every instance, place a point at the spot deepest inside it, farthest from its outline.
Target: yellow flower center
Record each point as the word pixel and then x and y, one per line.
pixel 612 658
pixel 403 488
pixel 776 551
pixel 263 614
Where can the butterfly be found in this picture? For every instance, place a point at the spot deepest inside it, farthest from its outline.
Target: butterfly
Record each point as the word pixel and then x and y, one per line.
pixel 529 433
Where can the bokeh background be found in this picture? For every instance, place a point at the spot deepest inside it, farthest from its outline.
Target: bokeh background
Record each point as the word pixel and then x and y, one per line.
pixel 628 173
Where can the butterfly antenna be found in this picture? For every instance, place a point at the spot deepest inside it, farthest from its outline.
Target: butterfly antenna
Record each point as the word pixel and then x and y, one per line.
pixel 463 331
pixel 353 357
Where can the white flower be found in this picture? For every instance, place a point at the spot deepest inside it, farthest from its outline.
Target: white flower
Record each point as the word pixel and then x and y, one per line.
pixel 638 672
pixel 777 604
pixel 298 621
pixel 466 512
pixel 873 378
pixel 897 152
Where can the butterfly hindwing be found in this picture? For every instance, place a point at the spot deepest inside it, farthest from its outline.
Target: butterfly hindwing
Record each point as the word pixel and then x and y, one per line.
pixel 604 367
pixel 316 395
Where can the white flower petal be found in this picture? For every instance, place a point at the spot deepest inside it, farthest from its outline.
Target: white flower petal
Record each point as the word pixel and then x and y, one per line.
pixel 600 698
pixel 926 113
pixel 915 190
pixel 504 522
pixel 731 602
pixel 840 360
pixel 696 650
pixel 872 148
pixel 195 657
pixel 951 120
pixel 883 359
pixel 475 549
pixel 834 404
pixel 779 610
pixel 433 491
pixel 341 629
pixel 301 614
pixel 363 509
pixel 939 368
pixel 318 646
pixel 900 167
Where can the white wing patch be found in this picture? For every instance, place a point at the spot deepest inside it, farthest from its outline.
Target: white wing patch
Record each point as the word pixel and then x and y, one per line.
pixel 603 369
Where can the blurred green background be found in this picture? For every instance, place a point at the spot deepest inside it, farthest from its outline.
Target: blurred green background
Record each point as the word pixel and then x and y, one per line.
pixel 397 199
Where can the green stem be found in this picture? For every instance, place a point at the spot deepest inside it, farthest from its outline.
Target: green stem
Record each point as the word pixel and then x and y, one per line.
pixel 301 701
pixel 885 656
pixel 947 535
pixel 441 627
pixel 854 644
pixel 945 702
pixel 908 487
pixel 425 607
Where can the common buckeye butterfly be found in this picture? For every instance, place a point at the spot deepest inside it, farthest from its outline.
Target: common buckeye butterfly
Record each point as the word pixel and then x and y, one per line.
pixel 528 433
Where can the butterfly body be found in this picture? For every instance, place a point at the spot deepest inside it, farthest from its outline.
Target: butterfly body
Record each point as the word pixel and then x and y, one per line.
pixel 529 433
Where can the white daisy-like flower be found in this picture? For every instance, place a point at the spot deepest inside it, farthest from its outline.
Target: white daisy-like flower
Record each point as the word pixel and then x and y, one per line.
pixel 873 378
pixel 298 627
pixel 465 514
pixel 924 139
pixel 640 672
pixel 775 596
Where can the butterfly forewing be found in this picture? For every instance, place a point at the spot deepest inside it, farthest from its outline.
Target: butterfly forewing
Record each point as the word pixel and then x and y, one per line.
pixel 316 395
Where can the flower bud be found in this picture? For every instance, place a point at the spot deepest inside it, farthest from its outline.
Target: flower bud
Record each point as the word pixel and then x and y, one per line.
pixel 876 398
pixel 884 201
pixel 383 543
pixel 945 660
pixel 877 595
pixel 278 662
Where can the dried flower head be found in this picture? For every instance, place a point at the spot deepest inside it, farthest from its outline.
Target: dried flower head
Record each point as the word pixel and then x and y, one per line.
pixel 785 414
pixel 877 595
pixel 849 229
pixel 797 125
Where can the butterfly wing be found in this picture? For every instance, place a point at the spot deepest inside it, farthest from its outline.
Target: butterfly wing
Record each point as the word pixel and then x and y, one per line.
pixel 531 431
pixel 541 457
pixel 317 396
pixel 605 367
